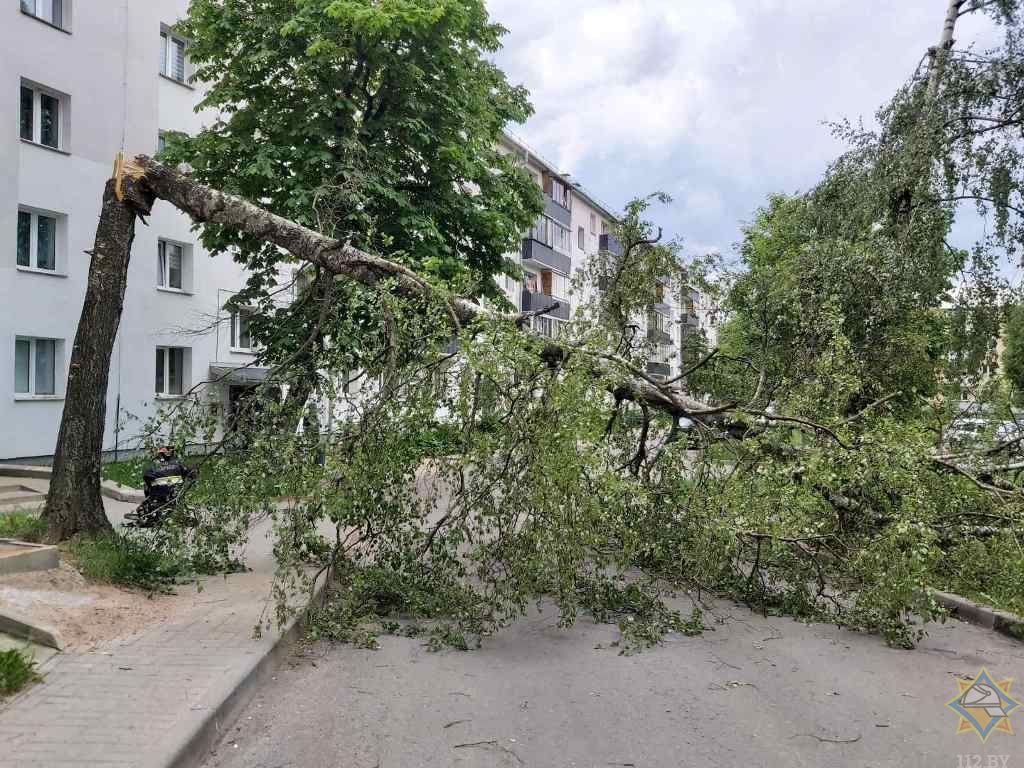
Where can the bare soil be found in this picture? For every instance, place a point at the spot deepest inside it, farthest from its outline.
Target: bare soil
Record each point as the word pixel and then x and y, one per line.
pixel 84 614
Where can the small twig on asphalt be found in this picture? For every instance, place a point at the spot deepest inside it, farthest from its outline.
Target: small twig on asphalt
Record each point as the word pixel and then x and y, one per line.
pixel 456 722
pixel 827 740
pixel 490 743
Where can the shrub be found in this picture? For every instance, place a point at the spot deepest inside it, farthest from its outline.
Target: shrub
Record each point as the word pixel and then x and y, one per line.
pixel 17 669
pixel 127 472
pixel 127 561
pixel 24 526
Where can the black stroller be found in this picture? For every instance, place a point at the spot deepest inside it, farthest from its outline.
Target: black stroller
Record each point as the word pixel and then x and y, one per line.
pixel 163 483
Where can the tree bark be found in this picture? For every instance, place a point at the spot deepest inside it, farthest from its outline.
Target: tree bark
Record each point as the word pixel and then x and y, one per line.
pixel 207 205
pixel 940 53
pixel 74 503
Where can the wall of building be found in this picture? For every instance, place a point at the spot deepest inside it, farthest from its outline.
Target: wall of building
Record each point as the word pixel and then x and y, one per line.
pixel 107 64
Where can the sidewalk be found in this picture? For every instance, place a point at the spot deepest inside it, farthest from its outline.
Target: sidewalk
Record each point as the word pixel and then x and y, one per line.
pixel 156 699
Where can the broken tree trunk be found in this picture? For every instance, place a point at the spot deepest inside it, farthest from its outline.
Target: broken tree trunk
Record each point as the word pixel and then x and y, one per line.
pixel 74 504
pixel 206 205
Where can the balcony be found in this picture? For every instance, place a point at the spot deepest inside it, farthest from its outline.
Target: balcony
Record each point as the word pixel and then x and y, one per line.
pixel 534 301
pixel 657 369
pixel 557 211
pixel 690 319
pixel 659 336
pixel 611 244
pixel 534 250
pixel 662 309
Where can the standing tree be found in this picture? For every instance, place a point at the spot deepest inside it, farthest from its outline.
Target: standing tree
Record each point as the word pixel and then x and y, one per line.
pixel 377 122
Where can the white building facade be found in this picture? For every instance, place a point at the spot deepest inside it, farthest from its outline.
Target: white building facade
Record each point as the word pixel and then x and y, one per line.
pixel 80 80
pixel 574 228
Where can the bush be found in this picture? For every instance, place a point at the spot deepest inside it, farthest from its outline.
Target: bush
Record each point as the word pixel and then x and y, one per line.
pixel 127 472
pixel 17 669
pixel 23 526
pixel 126 561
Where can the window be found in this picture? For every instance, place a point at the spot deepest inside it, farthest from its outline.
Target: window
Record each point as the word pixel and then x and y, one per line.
pixel 172 56
pixel 559 192
pixel 604 227
pixel 42 116
pixel 531 283
pixel 170 371
pixel 50 11
pixel 552 234
pixel 547 326
pixel 581 237
pixel 593 223
pixel 170 268
pixel 559 285
pixel 161 142
pixel 240 336
pixel 37 241
pixel 561 239
pixel 35 366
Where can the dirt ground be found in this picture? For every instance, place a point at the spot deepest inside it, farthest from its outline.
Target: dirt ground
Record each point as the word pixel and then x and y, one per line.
pixel 84 614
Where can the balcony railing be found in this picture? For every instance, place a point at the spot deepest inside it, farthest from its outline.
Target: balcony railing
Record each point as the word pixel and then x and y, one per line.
pixel 690 319
pixel 532 301
pixel 534 250
pixel 611 244
pixel 655 368
pixel 662 309
pixel 557 211
pixel 659 336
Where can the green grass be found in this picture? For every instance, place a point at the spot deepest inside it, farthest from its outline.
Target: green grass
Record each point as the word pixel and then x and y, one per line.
pixel 17 669
pixel 128 562
pixel 23 526
pixel 127 472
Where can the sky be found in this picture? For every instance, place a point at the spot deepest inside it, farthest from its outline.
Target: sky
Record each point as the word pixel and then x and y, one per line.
pixel 718 103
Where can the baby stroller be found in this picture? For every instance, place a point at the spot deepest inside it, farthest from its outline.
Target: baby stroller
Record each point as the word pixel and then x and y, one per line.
pixel 163 483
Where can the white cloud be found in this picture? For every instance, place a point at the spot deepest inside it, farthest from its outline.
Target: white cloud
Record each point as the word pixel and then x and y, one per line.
pixel 718 102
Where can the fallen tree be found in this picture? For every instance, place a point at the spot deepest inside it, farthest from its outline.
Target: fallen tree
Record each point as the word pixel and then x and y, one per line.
pixel 74 504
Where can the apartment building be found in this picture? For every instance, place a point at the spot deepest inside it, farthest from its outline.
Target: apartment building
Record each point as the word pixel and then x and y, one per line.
pixel 81 80
pixel 573 228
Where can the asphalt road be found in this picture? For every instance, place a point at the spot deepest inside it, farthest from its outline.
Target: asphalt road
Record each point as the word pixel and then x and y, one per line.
pixel 754 692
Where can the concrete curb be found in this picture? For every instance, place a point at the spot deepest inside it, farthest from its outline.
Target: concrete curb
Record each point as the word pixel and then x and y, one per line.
pixel 985 616
pixel 108 488
pixel 34 557
pixel 198 733
pixel 22 628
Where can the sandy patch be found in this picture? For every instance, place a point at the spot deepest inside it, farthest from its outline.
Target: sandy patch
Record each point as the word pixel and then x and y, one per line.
pixel 83 614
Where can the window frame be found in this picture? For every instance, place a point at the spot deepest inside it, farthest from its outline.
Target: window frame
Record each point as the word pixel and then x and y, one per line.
pixel 581 238
pixel 35 136
pixel 31 392
pixel 544 231
pixel 63 8
pixel 531 278
pixel 168 39
pixel 163 266
pixel 560 193
pixel 34 215
pixel 593 223
pixel 235 330
pixel 162 371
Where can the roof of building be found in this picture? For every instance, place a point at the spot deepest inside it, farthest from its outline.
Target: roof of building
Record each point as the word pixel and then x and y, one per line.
pixel 519 144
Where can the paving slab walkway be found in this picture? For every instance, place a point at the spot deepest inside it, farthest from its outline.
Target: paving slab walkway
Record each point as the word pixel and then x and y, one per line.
pixel 155 699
